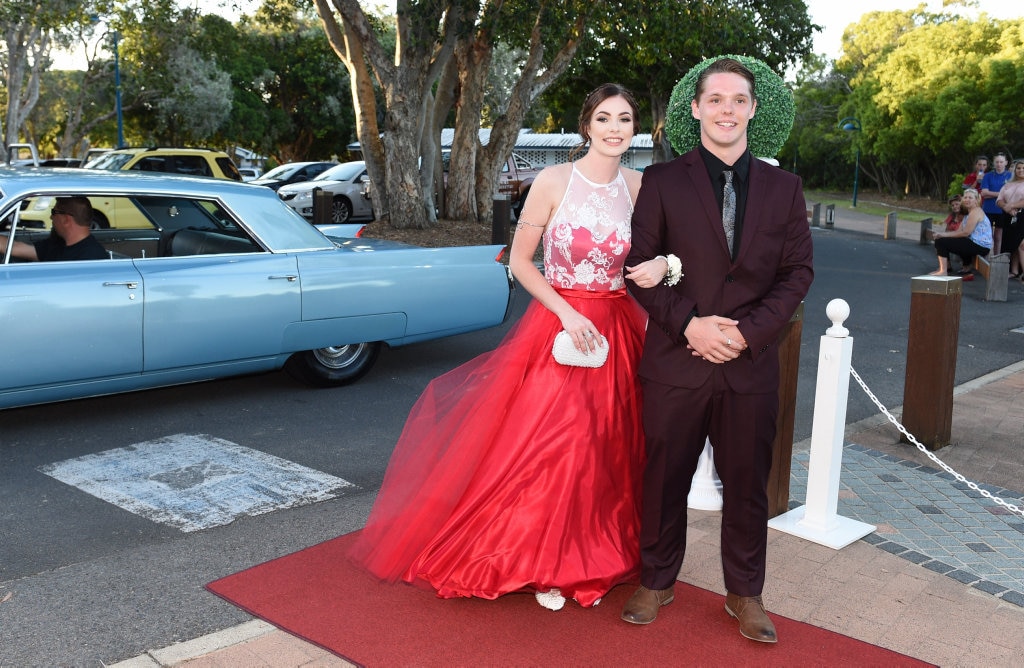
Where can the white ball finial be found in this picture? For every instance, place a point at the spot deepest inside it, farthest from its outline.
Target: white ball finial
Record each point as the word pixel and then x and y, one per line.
pixel 837 311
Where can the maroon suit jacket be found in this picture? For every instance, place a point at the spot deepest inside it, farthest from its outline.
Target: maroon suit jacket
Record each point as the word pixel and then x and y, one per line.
pixel 676 212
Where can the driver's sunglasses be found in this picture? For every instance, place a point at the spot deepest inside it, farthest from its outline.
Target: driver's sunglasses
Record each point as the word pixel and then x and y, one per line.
pixel 58 212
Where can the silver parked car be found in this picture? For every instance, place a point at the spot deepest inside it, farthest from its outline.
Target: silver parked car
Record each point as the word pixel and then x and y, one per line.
pixel 292 172
pixel 345 184
pixel 208 278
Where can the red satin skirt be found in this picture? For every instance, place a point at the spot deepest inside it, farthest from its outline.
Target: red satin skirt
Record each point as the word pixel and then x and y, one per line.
pixel 516 473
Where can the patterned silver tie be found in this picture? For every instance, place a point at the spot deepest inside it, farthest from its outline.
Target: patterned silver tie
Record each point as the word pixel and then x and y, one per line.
pixel 728 209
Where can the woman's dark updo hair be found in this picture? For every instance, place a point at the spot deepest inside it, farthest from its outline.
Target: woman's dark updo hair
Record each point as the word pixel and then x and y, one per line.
pixel 596 97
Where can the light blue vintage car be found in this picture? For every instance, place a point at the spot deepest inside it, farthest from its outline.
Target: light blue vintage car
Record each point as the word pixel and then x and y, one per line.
pixel 210 278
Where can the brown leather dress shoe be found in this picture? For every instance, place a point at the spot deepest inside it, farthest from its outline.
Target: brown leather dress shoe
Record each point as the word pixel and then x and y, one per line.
pixel 754 622
pixel 642 607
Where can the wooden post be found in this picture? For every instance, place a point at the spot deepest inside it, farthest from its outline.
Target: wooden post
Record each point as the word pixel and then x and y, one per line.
pixel 782 447
pixel 816 215
pixel 926 232
pixel 322 203
pixel 501 220
pixel 890 226
pixel 996 270
pixel 931 359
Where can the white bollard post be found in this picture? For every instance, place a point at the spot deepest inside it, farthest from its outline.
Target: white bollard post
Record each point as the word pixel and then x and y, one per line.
pixel 817 520
pixel 705 488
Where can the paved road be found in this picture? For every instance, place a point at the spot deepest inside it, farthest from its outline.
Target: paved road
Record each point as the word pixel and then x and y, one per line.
pixel 874 276
pixel 90 582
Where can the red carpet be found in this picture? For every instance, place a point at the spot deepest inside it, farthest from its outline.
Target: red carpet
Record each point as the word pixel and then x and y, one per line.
pixel 317 595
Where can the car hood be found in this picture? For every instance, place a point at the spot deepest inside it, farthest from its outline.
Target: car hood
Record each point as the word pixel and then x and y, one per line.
pixel 273 184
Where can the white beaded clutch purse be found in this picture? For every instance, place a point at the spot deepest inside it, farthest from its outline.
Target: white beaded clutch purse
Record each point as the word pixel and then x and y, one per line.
pixel 565 352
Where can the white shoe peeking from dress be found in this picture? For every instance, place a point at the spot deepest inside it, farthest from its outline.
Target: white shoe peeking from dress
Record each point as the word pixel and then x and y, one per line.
pixel 552 600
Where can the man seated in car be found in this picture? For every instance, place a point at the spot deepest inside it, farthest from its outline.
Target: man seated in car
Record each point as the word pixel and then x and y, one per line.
pixel 71 237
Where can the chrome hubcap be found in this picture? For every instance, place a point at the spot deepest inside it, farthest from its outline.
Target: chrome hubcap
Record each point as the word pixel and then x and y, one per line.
pixel 339 357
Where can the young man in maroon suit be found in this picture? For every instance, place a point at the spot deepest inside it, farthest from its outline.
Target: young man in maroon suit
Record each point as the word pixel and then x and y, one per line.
pixel 710 365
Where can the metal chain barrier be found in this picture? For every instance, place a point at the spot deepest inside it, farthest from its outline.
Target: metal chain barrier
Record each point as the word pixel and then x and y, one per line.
pixel 945 467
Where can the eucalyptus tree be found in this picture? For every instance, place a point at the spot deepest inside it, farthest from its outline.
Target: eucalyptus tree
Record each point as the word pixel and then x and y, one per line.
pixel 420 84
pixel 76 107
pixel 290 94
pixel 425 38
pixel 83 104
pixel 29 30
pixel 174 94
pixel 931 90
pixel 548 36
pixel 648 45
pixel 815 141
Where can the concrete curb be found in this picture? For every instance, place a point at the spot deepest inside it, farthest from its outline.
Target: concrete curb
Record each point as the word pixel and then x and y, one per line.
pixel 191 649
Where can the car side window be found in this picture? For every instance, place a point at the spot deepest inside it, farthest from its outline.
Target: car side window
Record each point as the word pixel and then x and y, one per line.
pixel 229 169
pixel 150 164
pixel 195 227
pixel 192 165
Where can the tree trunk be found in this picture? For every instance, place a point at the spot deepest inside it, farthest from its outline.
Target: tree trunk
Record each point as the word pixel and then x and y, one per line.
pixel 662 150
pixel 426 34
pixel 444 99
pixel 535 78
pixel 429 146
pixel 350 51
pixel 28 46
pixel 463 173
pixel 403 133
pixel 76 129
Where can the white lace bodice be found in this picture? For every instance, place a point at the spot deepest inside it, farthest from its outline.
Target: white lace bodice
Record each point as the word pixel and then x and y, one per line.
pixel 586 242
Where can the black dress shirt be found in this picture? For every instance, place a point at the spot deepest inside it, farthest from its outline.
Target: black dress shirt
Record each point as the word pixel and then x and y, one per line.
pixel 740 184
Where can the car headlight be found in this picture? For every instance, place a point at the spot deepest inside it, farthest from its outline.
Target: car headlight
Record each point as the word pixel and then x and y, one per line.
pixel 304 196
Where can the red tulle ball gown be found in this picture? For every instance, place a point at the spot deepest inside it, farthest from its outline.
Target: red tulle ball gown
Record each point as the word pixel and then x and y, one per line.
pixel 516 473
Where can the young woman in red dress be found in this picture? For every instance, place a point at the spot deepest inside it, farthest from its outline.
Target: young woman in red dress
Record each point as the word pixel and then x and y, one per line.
pixel 515 473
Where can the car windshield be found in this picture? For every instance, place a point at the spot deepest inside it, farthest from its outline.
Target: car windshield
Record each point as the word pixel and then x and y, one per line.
pixel 343 172
pixel 281 171
pixel 111 161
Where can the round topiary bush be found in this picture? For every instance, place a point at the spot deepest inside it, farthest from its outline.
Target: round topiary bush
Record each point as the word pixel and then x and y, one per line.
pixel 768 129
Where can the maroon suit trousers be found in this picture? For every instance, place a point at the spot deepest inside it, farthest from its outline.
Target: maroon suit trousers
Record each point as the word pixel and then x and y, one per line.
pixel 741 428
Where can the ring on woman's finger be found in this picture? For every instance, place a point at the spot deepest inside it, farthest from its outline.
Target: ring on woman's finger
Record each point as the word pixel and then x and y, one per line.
pixel 728 342
pixel 588 334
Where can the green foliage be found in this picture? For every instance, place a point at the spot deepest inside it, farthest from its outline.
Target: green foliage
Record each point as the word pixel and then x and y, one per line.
pixel 768 129
pixel 291 95
pixel 815 141
pixel 648 45
pixel 200 103
pixel 931 91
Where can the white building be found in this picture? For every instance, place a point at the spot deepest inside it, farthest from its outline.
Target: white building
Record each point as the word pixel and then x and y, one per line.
pixel 542 150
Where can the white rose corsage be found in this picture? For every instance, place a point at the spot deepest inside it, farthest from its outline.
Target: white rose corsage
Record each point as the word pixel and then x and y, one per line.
pixel 675 269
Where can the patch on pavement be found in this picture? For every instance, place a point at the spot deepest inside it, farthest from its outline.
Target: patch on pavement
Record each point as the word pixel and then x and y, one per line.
pixel 194 481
